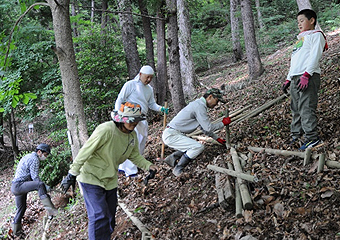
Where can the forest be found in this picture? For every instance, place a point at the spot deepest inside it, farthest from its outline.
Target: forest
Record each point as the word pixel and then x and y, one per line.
pixel 61 72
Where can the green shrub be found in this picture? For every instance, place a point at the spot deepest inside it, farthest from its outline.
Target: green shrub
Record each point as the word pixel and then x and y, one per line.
pixel 56 166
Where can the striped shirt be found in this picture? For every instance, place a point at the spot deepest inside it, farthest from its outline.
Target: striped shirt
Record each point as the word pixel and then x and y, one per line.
pixel 28 168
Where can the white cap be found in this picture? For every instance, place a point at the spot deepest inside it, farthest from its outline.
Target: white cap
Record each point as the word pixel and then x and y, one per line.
pixel 147 70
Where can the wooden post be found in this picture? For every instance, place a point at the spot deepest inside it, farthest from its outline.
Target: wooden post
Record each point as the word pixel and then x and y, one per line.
pixel 237 174
pixel 245 195
pixel 308 153
pixel 321 162
pixel 238 199
pixel 146 234
pixel 278 152
pixel 164 126
pixel 332 164
pixel 227 132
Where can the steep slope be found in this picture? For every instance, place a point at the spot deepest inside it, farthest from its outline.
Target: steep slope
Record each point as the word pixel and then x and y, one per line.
pixel 291 201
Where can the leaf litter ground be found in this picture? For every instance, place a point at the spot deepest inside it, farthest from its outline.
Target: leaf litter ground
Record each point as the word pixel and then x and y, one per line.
pixel 291 201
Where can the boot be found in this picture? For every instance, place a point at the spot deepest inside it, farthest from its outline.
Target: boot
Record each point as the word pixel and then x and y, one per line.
pixel 183 162
pixel 16 228
pixel 171 159
pixel 51 210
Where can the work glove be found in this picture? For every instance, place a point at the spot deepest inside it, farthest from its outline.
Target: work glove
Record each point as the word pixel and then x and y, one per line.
pixel 48 188
pixel 151 175
pixel 164 110
pixel 285 86
pixel 302 84
pixel 221 140
pixel 70 180
pixel 226 121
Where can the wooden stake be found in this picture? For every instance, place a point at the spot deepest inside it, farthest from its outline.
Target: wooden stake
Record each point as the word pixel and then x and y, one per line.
pixel 238 199
pixel 308 153
pixel 237 174
pixel 278 151
pixel 227 132
pixel 164 126
pixel 145 232
pixel 332 164
pixel 245 195
pixel 321 162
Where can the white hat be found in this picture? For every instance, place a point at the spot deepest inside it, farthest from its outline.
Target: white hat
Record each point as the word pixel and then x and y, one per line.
pixel 147 70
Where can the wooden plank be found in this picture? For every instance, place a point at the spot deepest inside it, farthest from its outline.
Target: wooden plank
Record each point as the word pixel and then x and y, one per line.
pixel 146 234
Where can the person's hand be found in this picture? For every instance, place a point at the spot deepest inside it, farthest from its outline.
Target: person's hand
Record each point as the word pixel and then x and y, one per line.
pixel 226 121
pixel 221 141
pixel 68 181
pixel 164 110
pixel 303 82
pixel 153 168
pixel 285 86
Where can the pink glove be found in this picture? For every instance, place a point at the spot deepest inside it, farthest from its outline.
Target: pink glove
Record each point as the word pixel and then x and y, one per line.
pixel 285 86
pixel 303 82
pixel 226 121
pixel 222 141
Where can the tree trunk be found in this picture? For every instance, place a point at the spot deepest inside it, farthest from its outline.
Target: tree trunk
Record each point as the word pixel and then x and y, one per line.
pixel 105 17
pixel 161 82
pixel 129 38
pixel 92 11
pixel 259 15
pixel 73 104
pixel 175 83
pixel 150 56
pixel 74 13
pixel 185 53
pixel 235 30
pixel 13 133
pixel 253 56
pixel 2 142
pixel 305 4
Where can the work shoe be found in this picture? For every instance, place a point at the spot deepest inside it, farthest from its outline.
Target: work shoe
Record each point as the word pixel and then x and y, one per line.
pixel 310 144
pixel 17 229
pixel 183 162
pixel 49 207
pixel 171 159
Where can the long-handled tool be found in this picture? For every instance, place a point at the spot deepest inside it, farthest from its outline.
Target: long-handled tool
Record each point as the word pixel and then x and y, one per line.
pixel 164 125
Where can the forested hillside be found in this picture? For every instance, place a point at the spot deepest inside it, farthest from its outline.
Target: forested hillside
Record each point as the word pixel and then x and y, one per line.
pixel 291 200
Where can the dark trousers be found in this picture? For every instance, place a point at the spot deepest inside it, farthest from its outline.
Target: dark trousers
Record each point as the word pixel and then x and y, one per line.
pixel 20 190
pixel 101 207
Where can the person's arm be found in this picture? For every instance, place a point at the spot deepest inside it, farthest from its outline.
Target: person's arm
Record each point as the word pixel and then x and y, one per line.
pixel 34 169
pixel 152 102
pixel 138 159
pixel 123 95
pixel 204 120
pixel 317 47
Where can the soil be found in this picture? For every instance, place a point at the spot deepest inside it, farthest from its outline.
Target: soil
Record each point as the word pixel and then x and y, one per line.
pixel 291 200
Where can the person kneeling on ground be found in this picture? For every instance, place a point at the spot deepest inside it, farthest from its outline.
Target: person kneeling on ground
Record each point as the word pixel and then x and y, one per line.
pixel 96 167
pixel 26 180
pixel 191 117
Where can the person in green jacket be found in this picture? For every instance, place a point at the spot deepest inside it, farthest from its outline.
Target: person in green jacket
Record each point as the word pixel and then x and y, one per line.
pixel 96 167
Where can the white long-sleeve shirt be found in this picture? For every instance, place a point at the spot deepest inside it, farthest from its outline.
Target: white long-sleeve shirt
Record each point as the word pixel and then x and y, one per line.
pixel 135 91
pixel 195 115
pixel 307 53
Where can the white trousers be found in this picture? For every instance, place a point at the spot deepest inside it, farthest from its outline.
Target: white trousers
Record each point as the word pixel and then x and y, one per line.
pixel 179 141
pixel 142 133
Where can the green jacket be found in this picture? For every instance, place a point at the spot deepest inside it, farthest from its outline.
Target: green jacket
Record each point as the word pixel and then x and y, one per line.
pixel 98 160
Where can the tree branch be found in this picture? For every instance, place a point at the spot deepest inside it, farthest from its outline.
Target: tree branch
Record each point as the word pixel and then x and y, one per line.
pixel 17 23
